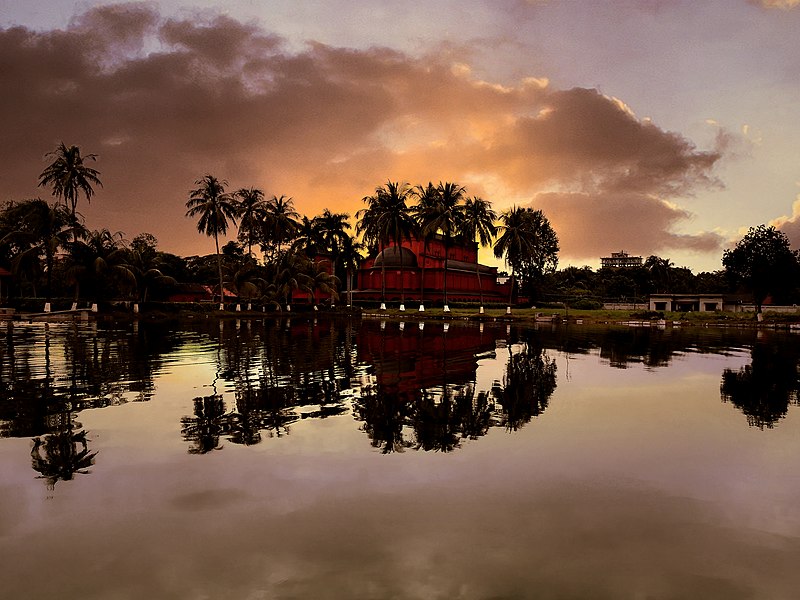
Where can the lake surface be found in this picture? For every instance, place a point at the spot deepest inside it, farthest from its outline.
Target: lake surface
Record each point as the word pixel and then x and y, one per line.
pixel 365 459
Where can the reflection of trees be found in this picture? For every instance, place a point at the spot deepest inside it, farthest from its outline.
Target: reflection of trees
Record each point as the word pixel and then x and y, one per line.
pixel 651 346
pixel 59 456
pixel 764 389
pixel 474 411
pixel 205 427
pixel 399 413
pixel 384 412
pixel 48 368
pixel 528 383
pixel 436 421
pixel 279 372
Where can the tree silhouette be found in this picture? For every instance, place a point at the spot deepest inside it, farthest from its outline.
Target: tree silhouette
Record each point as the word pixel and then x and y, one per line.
pixel 59 456
pixel 386 220
pixel 213 207
pixel 528 243
pixel 763 262
pixel 764 389
pixel 69 176
pixel 478 222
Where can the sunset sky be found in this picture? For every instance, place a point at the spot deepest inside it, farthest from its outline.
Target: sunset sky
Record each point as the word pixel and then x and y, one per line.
pixel 655 126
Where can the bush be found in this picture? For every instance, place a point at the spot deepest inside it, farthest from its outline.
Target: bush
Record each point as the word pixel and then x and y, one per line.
pixel 586 304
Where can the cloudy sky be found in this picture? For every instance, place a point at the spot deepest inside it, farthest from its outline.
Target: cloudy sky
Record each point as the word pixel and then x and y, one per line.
pixel 655 126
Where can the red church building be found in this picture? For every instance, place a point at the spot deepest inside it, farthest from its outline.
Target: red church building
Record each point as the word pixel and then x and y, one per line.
pixel 415 271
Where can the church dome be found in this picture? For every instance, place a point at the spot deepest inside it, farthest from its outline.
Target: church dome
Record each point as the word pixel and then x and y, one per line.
pixel 396 256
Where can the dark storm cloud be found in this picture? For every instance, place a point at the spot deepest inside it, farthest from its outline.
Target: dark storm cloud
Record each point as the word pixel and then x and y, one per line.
pixel 163 101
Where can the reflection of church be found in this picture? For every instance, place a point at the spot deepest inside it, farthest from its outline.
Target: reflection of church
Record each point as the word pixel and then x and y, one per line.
pixel 411 359
pixel 416 270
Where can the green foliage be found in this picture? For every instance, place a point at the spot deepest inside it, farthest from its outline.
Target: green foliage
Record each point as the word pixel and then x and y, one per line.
pixel 586 304
pixel 763 263
pixel 528 243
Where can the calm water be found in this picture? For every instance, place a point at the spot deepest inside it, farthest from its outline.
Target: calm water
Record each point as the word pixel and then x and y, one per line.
pixel 301 459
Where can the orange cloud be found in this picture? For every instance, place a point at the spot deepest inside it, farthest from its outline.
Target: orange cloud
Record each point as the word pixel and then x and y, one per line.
pixel 163 102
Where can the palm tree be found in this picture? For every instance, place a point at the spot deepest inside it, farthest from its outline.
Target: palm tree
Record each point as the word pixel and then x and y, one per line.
pixel 252 212
pixel 146 263
pixel 443 214
pixel 308 237
pixel 315 276
pixel 479 219
pixel 100 259
pixel 69 176
pixel 513 242
pixel 386 219
pixel 660 271
pixel 213 207
pixel 280 224
pixel 528 243
pixel 350 257
pixel 37 228
pixel 287 276
pixel 333 228
pixel 427 197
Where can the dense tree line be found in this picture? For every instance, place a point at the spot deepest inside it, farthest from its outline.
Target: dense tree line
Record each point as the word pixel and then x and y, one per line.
pixel 276 250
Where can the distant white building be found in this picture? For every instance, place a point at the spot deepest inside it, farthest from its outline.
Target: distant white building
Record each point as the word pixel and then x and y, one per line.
pixel 690 303
pixel 620 259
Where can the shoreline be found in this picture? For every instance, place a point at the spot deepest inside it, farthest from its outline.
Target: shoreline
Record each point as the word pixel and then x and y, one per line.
pixel 523 316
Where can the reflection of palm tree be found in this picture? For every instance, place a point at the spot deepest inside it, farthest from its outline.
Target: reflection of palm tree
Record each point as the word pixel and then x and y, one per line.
pixel 436 424
pixel 384 413
pixel 204 429
pixel 245 423
pixel 528 383
pixel 65 453
pixel 474 413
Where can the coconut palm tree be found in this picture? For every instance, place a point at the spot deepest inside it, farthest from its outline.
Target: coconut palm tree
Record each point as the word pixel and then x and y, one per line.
pixel 350 257
pixel 287 276
pixel 69 176
pixel 333 228
pixel 281 222
pixel 660 271
pixel 308 238
pixel 478 222
pixel 427 197
pixel 38 229
pixel 252 213
pixel 528 243
pixel 100 260
pixel 443 214
pixel 213 207
pixel 315 276
pixel 386 219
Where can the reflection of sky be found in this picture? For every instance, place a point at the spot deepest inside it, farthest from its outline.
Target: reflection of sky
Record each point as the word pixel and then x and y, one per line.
pixel 633 483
